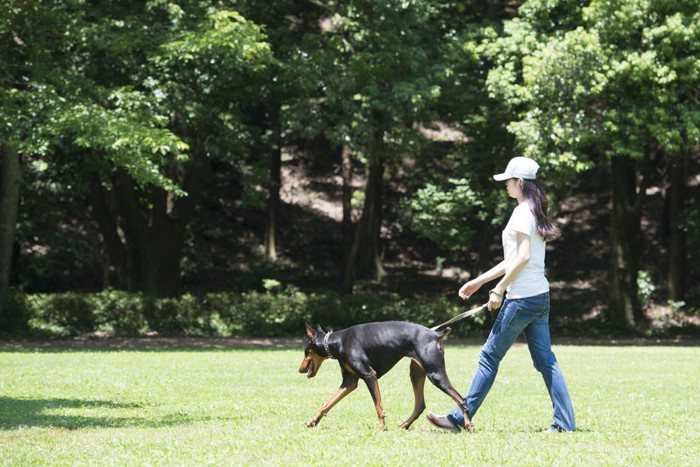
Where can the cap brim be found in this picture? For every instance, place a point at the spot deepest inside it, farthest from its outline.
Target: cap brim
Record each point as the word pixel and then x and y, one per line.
pixel 501 177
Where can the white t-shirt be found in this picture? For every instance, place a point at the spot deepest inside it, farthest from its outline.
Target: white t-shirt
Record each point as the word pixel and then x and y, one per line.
pixel 531 281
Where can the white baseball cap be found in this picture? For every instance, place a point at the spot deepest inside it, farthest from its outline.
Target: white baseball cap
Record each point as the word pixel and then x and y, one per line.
pixel 519 167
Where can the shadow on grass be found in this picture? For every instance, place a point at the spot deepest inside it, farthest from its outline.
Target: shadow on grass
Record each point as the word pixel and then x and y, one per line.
pixel 16 413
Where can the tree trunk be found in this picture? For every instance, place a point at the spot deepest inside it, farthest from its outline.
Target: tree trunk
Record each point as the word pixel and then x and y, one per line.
pixel 103 212
pixel 677 237
pixel 144 229
pixel 370 259
pixel 364 257
pixel 346 226
pixel 273 206
pixel 624 244
pixel 160 259
pixel 10 180
pixel 273 200
pixel 625 240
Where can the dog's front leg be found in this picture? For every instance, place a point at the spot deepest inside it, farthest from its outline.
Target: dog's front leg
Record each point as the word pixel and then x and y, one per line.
pixel 348 386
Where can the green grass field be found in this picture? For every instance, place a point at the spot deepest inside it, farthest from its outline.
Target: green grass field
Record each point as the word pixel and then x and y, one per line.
pixel 634 405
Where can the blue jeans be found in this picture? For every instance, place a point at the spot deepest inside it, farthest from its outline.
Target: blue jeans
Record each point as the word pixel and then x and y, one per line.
pixel 529 316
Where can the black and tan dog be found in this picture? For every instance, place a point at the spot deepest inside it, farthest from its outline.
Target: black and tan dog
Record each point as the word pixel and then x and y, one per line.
pixel 369 351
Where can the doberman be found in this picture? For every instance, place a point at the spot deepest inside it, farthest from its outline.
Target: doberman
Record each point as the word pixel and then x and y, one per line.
pixel 368 351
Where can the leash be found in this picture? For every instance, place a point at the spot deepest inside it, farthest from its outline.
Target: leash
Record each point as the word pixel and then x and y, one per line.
pixel 466 314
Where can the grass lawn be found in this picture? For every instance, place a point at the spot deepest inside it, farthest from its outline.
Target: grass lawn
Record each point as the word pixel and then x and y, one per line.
pixel 634 405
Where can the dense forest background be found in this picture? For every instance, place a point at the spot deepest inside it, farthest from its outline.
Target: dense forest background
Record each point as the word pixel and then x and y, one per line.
pixel 337 148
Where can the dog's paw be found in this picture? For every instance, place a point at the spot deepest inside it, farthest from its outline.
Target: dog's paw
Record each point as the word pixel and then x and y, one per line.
pixel 311 423
pixel 470 427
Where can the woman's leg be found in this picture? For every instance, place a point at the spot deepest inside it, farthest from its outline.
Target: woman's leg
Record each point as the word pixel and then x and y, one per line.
pixel 509 324
pixel 539 344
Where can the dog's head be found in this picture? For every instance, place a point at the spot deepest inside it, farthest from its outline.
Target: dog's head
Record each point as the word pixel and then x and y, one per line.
pixel 314 352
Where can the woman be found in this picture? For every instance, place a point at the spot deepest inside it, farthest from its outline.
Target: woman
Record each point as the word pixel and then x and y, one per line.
pixel 526 308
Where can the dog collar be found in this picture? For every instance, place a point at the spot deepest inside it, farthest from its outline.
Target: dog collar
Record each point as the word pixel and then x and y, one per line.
pixel 325 344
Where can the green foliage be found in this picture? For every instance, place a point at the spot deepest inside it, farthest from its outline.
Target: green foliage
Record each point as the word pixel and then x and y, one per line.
pixel 609 77
pixel 156 87
pixel 282 313
pixel 131 137
pixel 375 68
pixel 70 311
pixel 55 97
pixel 443 215
pixel 118 82
pixel 455 197
pixel 646 287
pixel 689 222
pixel 17 320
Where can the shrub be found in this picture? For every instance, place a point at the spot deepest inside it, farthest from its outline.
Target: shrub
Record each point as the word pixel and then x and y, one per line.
pixel 271 314
pixel 17 314
pixel 67 313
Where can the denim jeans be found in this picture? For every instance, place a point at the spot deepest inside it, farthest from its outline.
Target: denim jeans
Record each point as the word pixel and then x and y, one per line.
pixel 529 316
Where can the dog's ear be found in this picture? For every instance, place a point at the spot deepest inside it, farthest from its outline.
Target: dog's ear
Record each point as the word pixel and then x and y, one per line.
pixel 310 331
pixel 319 329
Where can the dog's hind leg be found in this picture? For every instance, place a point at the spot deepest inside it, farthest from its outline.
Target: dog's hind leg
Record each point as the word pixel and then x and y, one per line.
pixel 440 380
pixel 434 365
pixel 418 381
pixel 348 386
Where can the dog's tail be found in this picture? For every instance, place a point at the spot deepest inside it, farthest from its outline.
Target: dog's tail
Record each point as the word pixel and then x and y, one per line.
pixel 442 335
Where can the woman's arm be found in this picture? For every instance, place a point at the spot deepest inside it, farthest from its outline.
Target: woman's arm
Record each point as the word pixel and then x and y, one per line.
pixel 521 260
pixel 468 289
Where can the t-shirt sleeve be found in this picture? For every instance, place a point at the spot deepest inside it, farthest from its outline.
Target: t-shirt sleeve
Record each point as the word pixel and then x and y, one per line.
pixel 523 220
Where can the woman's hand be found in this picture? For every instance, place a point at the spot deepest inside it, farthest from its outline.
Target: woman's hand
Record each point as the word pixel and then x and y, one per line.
pixel 468 289
pixel 495 299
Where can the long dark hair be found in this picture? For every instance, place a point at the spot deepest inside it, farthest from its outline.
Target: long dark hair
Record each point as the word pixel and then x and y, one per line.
pixel 536 197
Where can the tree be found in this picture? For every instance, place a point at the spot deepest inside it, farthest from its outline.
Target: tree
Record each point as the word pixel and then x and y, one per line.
pixel 22 39
pixel 10 177
pixel 607 83
pixel 371 73
pixel 457 204
pixel 197 70
pixel 286 22
pixel 46 105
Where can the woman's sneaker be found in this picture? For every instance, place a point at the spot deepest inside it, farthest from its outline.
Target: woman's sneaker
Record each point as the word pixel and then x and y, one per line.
pixel 442 422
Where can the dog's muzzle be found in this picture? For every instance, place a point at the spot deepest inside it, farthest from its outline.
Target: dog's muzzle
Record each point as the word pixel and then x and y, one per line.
pixel 308 367
pixel 310 373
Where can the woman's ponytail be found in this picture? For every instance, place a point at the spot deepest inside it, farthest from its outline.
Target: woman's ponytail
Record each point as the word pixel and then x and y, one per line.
pixel 536 197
